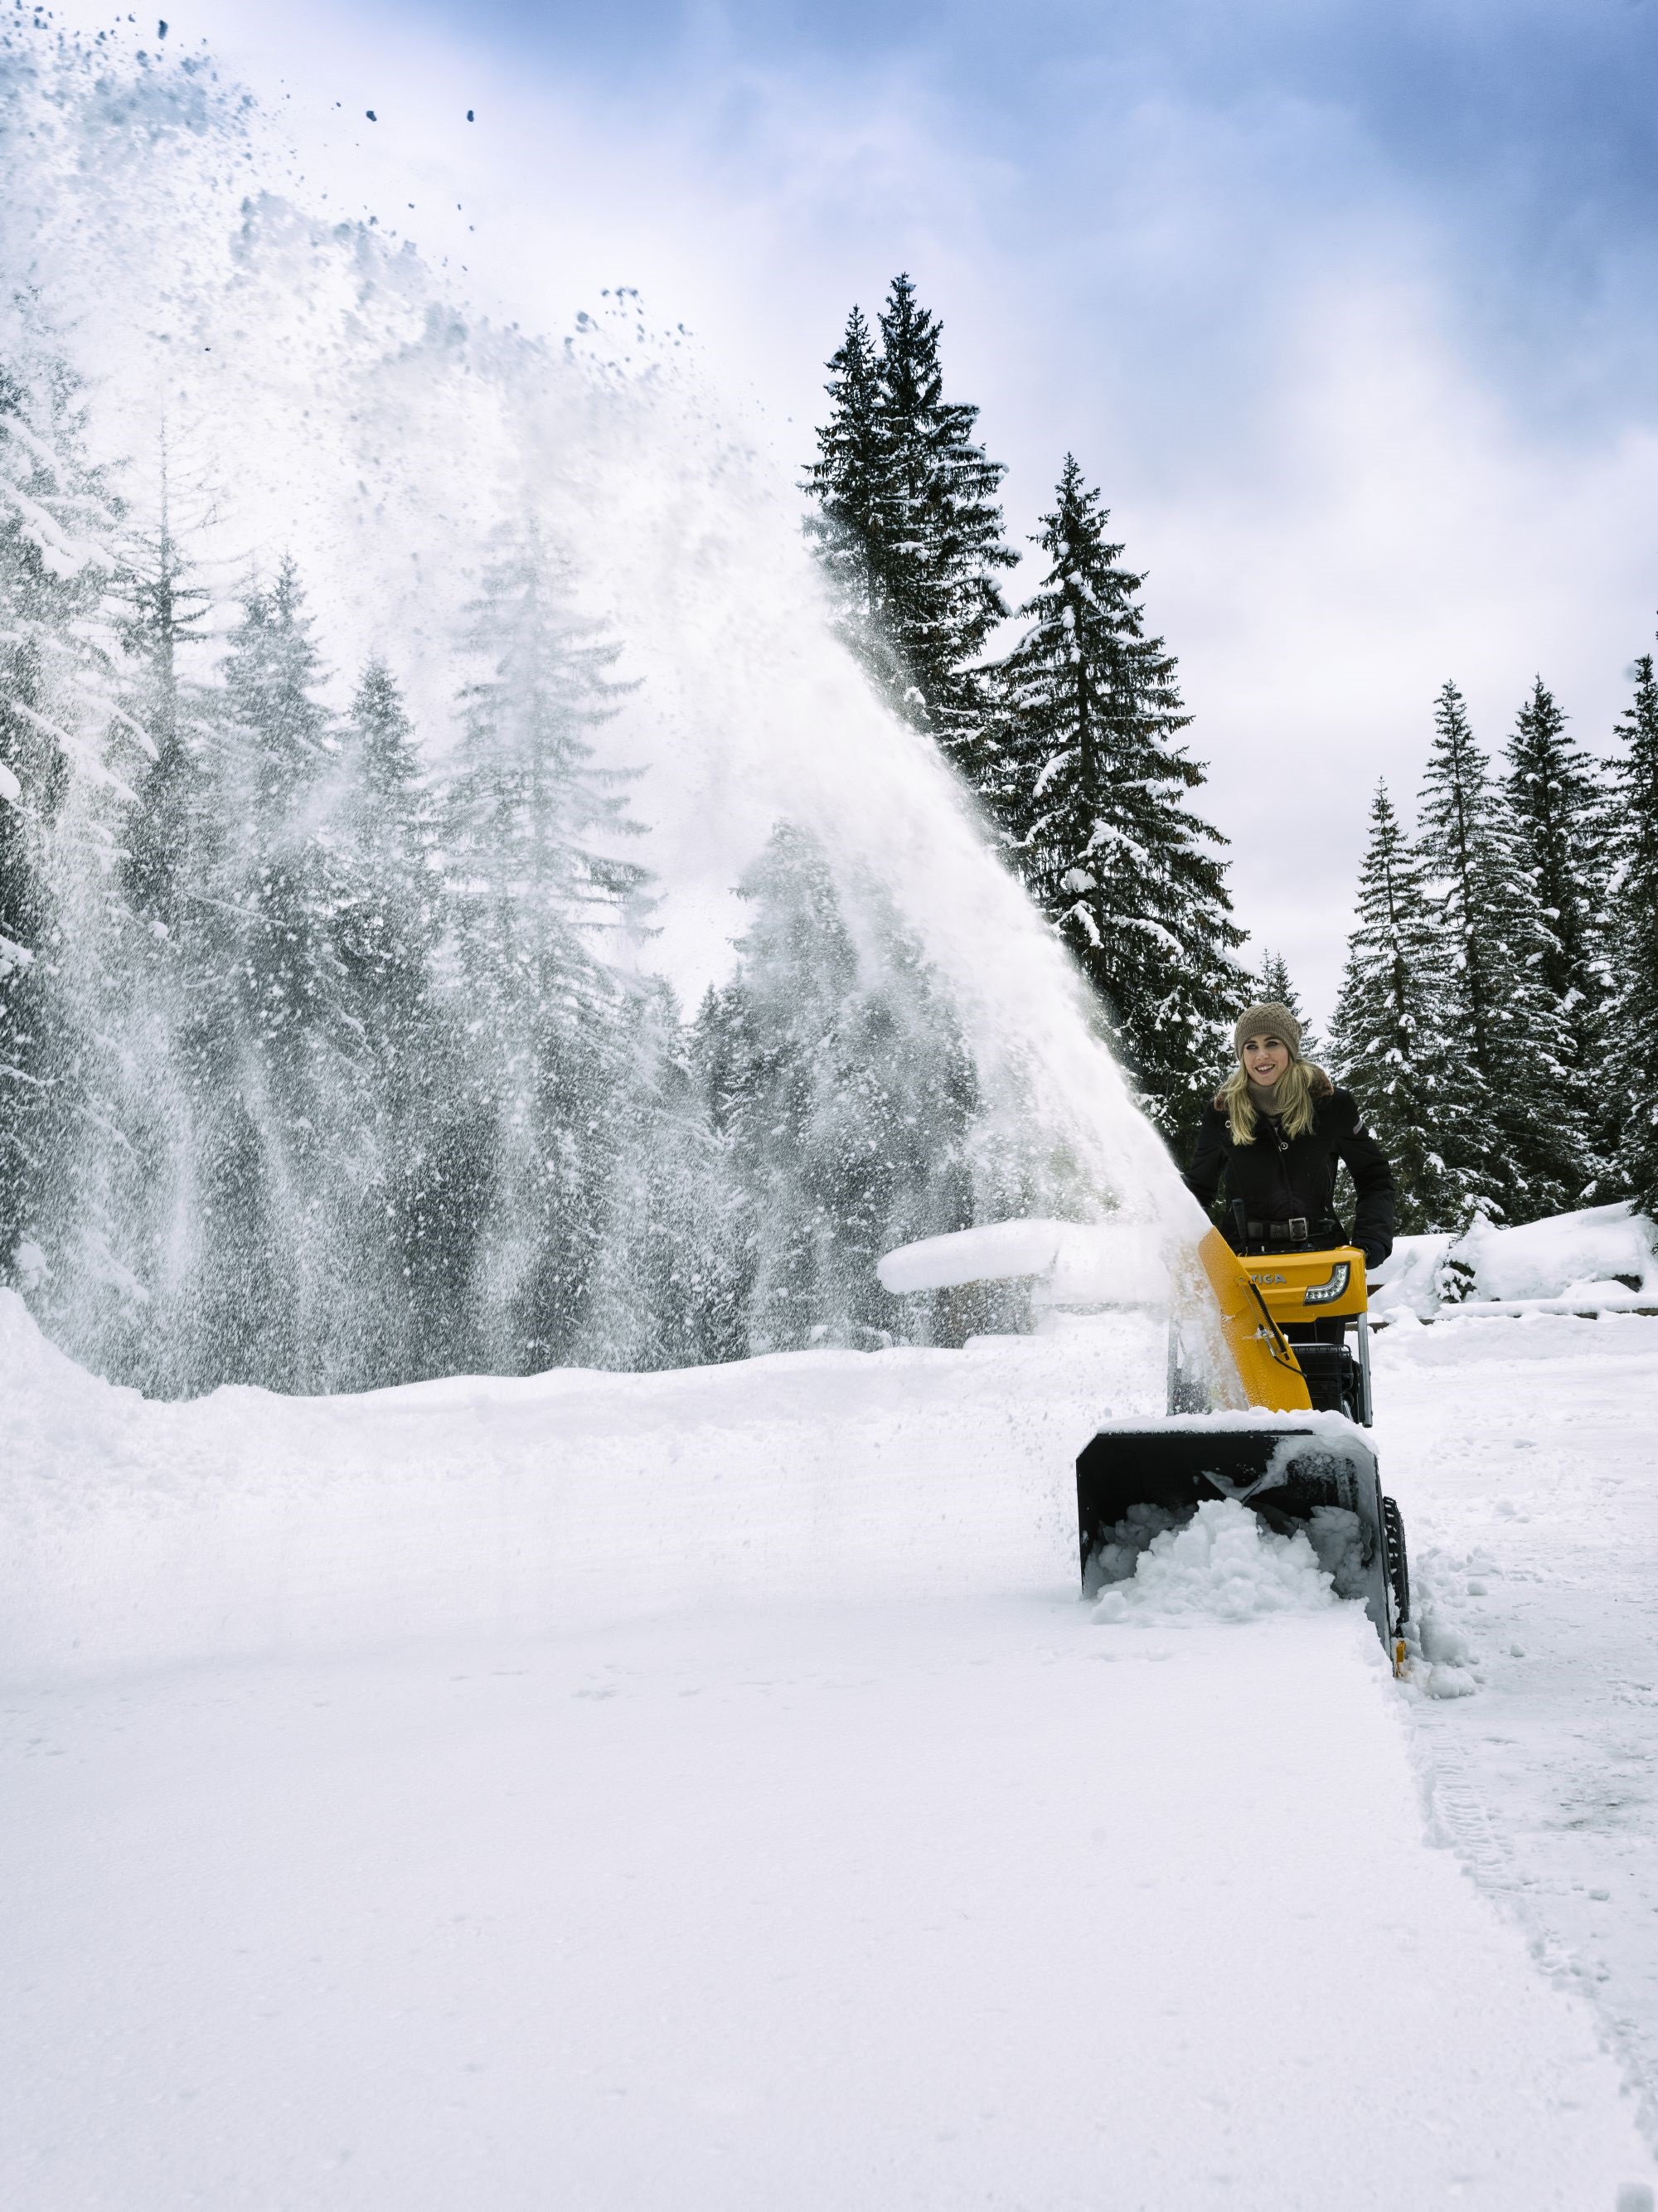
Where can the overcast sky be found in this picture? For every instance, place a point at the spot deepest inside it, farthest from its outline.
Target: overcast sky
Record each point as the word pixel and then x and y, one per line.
pixel 1350 309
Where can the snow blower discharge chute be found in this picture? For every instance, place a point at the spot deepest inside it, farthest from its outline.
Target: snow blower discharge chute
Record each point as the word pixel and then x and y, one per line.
pixel 1282 1469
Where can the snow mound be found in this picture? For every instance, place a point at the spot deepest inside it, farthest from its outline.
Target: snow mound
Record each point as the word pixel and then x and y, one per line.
pixel 1225 1564
pixel 1605 1248
pixel 1608 1254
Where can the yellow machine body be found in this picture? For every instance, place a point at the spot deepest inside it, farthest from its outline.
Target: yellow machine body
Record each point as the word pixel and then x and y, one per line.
pixel 1311 1286
pixel 1261 1351
pixel 1258 1295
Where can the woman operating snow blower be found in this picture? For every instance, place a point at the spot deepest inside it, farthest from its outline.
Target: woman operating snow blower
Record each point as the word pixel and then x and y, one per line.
pixel 1284 1294
pixel 1276 1135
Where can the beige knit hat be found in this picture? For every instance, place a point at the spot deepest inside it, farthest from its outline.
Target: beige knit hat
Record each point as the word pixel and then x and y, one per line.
pixel 1268 1021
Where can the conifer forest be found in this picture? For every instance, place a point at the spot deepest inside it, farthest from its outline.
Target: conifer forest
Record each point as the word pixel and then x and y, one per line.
pixel 330 1052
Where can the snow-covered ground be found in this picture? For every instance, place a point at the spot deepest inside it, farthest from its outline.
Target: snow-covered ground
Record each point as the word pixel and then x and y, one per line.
pixel 1532 1447
pixel 708 1790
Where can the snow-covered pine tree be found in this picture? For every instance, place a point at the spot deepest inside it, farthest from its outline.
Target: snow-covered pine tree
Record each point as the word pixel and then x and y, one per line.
pixel 165 608
pixel 667 1280
pixel 1630 1077
pixel 164 914
pixel 1510 1141
pixel 717 1060
pixel 531 823
pixel 846 1099
pixel 1559 811
pixel 1096 789
pixel 910 526
pixel 1382 1044
pixel 400 1231
pixel 848 481
pixel 66 751
pixel 1277 990
pixel 273 1058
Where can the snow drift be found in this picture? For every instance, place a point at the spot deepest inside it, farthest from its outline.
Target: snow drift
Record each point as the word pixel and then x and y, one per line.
pixel 1603 1255
pixel 137 1533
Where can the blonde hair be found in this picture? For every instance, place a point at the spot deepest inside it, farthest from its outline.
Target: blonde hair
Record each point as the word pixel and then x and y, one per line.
pixel 1297 1088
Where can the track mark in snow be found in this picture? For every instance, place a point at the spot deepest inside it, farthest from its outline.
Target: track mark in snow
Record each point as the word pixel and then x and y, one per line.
pixel 1462 1816
pixel 1544 1559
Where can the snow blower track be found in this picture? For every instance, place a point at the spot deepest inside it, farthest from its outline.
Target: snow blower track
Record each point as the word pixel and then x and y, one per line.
pixel 818 1868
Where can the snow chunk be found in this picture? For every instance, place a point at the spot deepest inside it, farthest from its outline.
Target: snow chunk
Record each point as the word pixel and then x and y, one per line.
pixel 1073 1263
pixel 1224 1563
pixel 29 1263
pixel 1002 1251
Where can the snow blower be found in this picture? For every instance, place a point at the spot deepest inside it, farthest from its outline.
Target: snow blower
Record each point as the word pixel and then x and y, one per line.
pixel 1132 1477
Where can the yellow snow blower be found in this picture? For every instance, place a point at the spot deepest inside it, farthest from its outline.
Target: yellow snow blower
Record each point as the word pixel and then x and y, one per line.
pixel 1134 1480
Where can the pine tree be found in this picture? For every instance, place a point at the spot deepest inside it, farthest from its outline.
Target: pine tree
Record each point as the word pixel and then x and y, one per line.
pixel 1631 1017
pixel 667 1286
pixel 1381 1042
pixel 1277 990
pixel 272 1056
pixel 1095 787
pixel 157 993
pixel 847 1101
pixel 532 887
pixel 1560 815
pixel 847 481
pixel 910 526
pixel 65 754
pixel 1504 1071
pixel 164 609
pixel 400 1230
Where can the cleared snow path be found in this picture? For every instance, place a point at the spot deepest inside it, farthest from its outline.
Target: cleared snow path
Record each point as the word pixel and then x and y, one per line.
pixel 805 1870
pixel 1526 1454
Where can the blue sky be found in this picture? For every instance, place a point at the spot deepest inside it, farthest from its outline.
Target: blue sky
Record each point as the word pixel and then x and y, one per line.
pixel 1517 138
pixel 1352 310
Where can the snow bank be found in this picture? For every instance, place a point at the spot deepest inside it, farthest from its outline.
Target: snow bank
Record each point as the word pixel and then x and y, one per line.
pixel 1407 1281
pixel 135 1533
pixel 1226 1565
pixel 1072 1263
pixel 1587 1250
pixel 1606 1254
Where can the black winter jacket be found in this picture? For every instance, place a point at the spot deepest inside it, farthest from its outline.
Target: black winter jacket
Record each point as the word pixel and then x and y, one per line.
pixel 1278 1177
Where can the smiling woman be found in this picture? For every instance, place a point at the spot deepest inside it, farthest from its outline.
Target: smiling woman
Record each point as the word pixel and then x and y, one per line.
pixel 1275 1137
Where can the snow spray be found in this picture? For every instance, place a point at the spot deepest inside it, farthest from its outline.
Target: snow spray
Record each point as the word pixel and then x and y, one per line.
pixel 340 396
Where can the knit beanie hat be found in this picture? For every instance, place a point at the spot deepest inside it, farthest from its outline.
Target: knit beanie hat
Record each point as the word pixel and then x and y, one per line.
pixel 1268 1021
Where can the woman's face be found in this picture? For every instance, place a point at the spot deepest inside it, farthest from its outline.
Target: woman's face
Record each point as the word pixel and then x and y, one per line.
pixel 1266 1059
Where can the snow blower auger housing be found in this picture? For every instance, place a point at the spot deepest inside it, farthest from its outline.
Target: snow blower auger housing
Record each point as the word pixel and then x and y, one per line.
pixel 1284 1468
